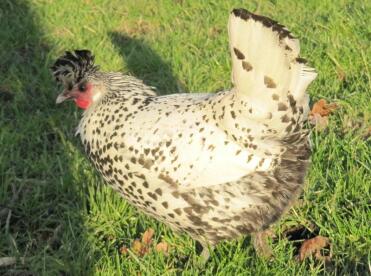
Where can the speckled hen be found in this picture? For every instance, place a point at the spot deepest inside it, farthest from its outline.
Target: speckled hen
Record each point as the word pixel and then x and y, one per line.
pixel 218 165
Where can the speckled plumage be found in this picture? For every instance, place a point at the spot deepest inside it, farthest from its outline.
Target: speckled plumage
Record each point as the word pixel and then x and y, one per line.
pixel 216 166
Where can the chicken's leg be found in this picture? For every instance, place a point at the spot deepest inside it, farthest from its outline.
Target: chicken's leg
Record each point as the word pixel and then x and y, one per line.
pixel 260 242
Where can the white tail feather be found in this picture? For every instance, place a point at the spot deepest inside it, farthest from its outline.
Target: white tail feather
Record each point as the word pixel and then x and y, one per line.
pixel 266 62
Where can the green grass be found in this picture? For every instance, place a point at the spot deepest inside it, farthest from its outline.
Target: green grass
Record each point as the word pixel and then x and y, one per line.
pixel 54 210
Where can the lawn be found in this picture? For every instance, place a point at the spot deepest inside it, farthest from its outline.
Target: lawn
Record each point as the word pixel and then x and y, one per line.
pixel 54 209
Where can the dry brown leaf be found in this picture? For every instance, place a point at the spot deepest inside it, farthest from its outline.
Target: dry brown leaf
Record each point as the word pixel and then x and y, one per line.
pixel 123 250
pixel 162 247
pixel 143 246
pixel 318 116
pixel 314 246
pixel 318 121
pixel 322 108
pixel 147 237
pixel 138 248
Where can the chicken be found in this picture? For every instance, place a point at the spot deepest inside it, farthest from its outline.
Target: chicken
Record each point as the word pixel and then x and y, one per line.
pixel 216 166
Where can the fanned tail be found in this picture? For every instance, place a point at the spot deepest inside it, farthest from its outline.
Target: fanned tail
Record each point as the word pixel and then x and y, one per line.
pixel 267 69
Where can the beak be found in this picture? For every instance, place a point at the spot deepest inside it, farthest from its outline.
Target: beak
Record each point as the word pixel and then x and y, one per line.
pixel 62 97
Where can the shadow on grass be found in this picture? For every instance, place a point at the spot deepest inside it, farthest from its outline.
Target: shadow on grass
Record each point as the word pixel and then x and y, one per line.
pixel 145 64
pixel 40 206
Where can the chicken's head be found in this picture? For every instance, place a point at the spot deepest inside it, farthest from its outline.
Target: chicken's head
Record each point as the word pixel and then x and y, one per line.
pixel 80 77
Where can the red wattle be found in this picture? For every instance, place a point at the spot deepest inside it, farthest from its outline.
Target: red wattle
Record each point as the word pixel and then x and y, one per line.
pixel 84 104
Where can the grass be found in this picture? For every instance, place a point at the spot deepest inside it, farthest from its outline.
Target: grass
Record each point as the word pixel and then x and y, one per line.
pixel 54 210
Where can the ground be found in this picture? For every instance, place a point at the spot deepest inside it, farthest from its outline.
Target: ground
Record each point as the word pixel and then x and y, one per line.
pixel 54 210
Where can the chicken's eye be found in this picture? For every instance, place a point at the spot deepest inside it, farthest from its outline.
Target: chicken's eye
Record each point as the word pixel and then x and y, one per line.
pixel 82 87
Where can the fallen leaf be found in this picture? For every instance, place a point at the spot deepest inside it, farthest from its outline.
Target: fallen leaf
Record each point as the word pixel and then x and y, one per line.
pixel 318 116
pixel 147 237
pixel 138 248
pixel 143 246
pixel 318 121
pixel 162 247
pixel 313 247
pixel 322 108
pixel 123 250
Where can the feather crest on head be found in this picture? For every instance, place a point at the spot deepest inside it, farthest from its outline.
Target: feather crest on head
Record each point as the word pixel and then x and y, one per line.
pixel 72 67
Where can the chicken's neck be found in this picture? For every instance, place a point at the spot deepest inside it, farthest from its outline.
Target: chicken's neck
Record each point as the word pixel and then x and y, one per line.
pixel 118 89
